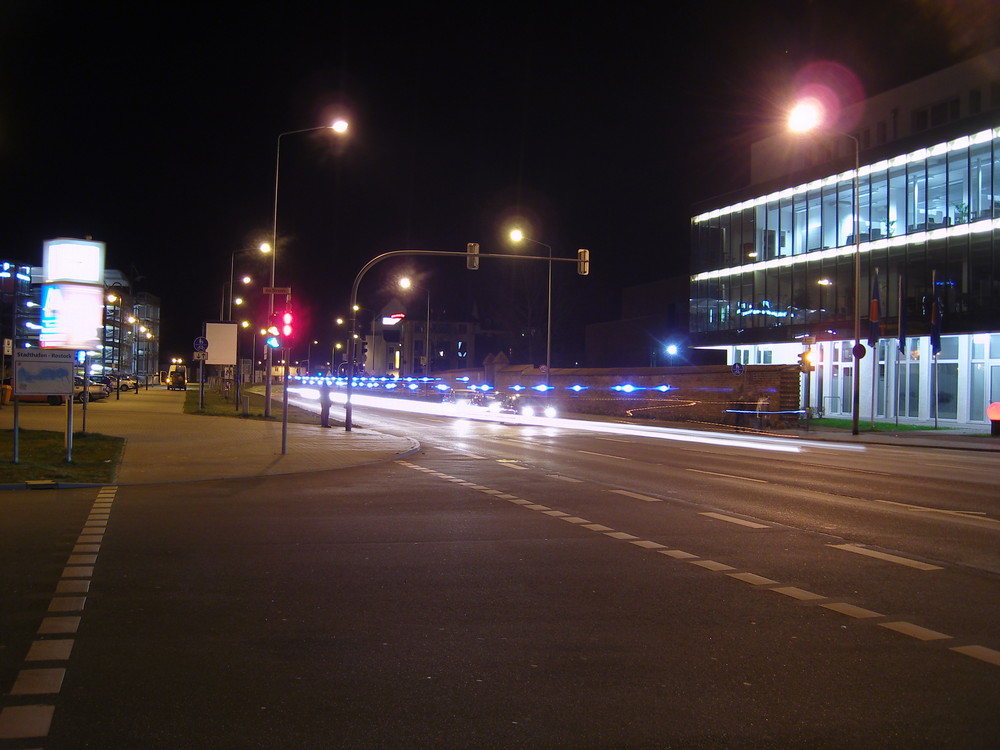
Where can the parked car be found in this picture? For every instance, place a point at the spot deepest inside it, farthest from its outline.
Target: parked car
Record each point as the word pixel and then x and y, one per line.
pixel 38 398
pixel 95 390
pixel 129 383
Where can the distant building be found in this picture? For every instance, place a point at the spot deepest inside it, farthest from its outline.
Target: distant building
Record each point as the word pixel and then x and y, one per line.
pixel 773 264
pixel 129 338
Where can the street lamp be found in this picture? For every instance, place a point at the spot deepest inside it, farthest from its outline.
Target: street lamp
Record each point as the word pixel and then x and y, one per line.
pixel 806 116
pixel 405 283
pixel 516 235
pixel 340 127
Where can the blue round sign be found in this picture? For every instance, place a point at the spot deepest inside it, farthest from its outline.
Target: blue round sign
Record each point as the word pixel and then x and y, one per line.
pixel 738 368
pixel 201 344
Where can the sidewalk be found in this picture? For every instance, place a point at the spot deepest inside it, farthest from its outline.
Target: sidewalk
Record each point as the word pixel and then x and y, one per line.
pixel 163 444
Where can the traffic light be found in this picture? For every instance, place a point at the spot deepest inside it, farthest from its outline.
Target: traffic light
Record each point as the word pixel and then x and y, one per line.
pixel 583 262
pixel 472 256
pixel 286 325
pixel 273 335
pixel 805 361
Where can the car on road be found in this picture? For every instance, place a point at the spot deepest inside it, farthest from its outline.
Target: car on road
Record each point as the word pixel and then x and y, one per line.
pixel 525 405
pixel 129 383
pixel 177 380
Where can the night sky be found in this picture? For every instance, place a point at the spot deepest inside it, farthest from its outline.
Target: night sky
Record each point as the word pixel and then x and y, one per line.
pixel 153 127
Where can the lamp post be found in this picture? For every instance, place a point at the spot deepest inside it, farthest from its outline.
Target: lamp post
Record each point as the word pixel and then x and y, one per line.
pixel 517 235
pixel 807 115
pixel 405 283
pixel 340 127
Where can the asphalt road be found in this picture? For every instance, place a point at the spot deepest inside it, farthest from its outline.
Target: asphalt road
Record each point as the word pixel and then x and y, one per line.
pixel 522 587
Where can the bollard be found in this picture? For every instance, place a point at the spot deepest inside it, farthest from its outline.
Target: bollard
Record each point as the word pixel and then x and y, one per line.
pixel 246 406
pixel 993 414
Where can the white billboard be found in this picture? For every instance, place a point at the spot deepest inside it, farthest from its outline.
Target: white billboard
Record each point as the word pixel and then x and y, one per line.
pixel 221 343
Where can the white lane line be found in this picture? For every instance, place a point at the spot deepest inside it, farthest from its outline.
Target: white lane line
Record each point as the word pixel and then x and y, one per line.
pixel 728 476
pixel 637 496
pixel 614 440
pixel 858 550
pixel 797 593
pixel 914 631
pixel 58 625
pixel 76 586
pixel 677 554
pixel 646 544
pixel 605 455
pixel 67 604
pixel 561 478
pixel 510 465
pixel 38 681
pixel 738 521
pixel 975 515
pixel 535 506
pixel 712 565
pixel 621 535
pixel 752 578
pixel 597 527
pixel 575 519
pixel 980 652
pixel 21 722
pixel 851 610
pixel 56 649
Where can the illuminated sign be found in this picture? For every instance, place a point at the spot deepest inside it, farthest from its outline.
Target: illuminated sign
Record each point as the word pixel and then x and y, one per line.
pixel 74 261
pixel 71 316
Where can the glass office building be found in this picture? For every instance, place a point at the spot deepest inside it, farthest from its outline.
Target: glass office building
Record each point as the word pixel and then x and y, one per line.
pixel 773 268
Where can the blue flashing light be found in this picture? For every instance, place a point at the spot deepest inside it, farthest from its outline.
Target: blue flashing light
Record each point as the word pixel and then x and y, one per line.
pixel 663 388
pixel 517 388
pixel 541 387
pixel 578 388
pixel 463 379
pixel 413 386
pixel 442 387
pixel 390 386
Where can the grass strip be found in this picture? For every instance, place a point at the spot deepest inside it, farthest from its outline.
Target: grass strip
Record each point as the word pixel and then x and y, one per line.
pixel 42 456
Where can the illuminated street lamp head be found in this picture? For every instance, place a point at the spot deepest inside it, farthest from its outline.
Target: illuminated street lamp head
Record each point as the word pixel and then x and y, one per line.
pixel 265 247
pixel 405 283
pixel 807 114
pixel 339 126
pixel 516 235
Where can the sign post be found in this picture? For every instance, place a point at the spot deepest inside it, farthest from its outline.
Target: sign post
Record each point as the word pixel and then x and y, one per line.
pixel 45 372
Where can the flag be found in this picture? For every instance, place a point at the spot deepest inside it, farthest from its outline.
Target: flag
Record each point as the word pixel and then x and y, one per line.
pixel 935 316
pixel 874 323
pixel 902 317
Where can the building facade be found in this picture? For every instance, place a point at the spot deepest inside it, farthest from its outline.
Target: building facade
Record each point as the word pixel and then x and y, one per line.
pixel 773 267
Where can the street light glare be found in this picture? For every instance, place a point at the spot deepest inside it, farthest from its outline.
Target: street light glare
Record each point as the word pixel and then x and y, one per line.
pixel 265 247
pixel 806 115
pixel 405 283
pixel 516 235
pixel 339 126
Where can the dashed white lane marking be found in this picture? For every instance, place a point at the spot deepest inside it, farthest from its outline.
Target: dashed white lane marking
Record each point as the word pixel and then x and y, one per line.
pixel 52 645
pixel 858 550
pixel 728 476
pixel 637 496
pixel 796 593
pixel 38 681
pixel 914 631
pixel 859 613
pixel 20 722
pixel 753 578
pixel 982 653
pixel 561 478
pixel 738 521
pixel 605 455
pixel 511 465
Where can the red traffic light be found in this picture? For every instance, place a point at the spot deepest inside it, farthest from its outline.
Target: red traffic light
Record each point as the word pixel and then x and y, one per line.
pixel 286 324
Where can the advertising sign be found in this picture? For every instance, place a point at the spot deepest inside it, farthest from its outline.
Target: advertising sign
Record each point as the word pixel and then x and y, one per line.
pixel 71 316
pixel 221 340
pixel 73 261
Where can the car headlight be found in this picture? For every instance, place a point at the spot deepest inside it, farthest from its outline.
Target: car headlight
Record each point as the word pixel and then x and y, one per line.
pixel 550 411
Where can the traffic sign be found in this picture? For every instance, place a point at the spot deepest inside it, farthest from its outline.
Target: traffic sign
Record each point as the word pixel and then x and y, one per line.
pixel 199 356
pixel 737 368
pixel 277 290
pixel 201 344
